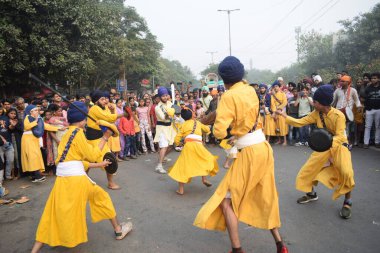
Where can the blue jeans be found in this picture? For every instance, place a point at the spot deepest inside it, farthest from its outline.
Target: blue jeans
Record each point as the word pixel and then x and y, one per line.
pixel 129 145
pixel 9 153
pixel 304 133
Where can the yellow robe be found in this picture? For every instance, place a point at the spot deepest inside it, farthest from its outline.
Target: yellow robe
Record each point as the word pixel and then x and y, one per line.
pixel 280 121
pixel 114 142
pixel 98 113
pixel 63 222
pixel 250 180
pixel 268 123
pixel 339 175
pixel 195 160
pixel 31 156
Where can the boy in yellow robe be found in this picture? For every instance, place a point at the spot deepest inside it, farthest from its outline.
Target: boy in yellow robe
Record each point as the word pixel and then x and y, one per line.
pixel 63 222
pixel 31 156
pixel 278 102
pixel 247 192
pixel 338 174
pixel 99 111
pixel 195 160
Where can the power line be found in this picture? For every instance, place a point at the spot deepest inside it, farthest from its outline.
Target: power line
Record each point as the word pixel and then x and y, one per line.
pixel 282 43
pixel 275 27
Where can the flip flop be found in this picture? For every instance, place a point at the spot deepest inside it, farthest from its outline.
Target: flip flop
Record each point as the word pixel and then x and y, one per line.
pixel 6 201
pixel 22 200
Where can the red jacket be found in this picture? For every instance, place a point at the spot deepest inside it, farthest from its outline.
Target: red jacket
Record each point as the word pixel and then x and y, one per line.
pixel 126 126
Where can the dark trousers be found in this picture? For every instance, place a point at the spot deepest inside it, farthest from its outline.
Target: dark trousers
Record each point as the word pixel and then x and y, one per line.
pixel 130 144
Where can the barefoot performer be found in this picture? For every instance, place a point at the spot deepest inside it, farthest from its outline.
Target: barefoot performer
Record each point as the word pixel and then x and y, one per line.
pixel 195 160
pixel 99 111
pixel 333 167
pixel 247 192
pixel 63 222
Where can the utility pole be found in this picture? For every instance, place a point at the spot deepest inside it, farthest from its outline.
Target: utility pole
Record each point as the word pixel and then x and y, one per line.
pixel 298 32
pixel 229 25
pixel 212 55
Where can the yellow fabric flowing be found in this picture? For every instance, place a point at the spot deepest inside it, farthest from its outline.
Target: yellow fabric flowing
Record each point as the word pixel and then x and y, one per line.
pixel 63 222
pixel 195 160
pixel 253 192
pixel 250 180
pixel 339 175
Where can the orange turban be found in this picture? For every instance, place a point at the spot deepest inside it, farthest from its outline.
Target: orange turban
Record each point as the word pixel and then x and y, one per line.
pixel 346 79
pixel 214 92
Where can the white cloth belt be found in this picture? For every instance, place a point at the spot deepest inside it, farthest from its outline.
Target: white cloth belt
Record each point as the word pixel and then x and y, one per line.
pixel 72 168
pixel 247 140
pixel 40 140
pixel 194 137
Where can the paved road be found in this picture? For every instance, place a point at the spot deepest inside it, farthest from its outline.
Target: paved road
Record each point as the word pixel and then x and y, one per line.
pixel 163 220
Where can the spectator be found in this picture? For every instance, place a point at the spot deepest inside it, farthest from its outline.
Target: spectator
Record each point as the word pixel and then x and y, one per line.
pixel 127 130
pixel 16 130
pixel 372 114
pixel 293 112
pixel 305 104
pixel 145 125
pixel 6 150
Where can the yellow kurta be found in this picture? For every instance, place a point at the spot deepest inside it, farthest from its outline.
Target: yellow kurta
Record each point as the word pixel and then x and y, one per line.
pixel 114 142
pixel 167 131
pixel 268 123
pixel 195 160
pixel 98 113
pixel 280 121
pixel 340 174
pixel 31 156
pixel 63 222
pixel 250 180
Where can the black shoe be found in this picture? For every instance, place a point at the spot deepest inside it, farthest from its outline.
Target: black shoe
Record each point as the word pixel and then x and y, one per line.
pixel 345 212
pixel 307 198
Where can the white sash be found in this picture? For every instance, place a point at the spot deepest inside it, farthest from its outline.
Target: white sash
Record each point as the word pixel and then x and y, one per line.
pixel 194 137
pixel 247 140
pixel 72 168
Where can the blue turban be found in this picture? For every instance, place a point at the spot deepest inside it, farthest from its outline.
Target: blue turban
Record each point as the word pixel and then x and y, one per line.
pixel 74 115
pixel 220 88
pixel 96 95
pixel 186 113
pixel 324 94
pixel 29 108
pixel 277 82
pixel 231 70
pixel 263 85
pixel 162 91
pixel 107 94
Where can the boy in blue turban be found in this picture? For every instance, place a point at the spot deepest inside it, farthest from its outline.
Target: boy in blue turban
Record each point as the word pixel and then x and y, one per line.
pixel 338 175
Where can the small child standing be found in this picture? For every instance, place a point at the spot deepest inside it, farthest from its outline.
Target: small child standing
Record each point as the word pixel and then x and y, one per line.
pixel 200 111
pixel 137 146
pixel 127 129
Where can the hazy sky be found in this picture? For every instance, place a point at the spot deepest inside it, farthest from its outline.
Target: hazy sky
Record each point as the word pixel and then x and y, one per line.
pixel 262 30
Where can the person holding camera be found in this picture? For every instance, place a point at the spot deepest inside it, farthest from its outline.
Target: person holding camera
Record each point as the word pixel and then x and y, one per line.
pixel 305 104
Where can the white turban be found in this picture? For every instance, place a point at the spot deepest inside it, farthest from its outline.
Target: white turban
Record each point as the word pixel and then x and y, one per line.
pixel 280 79
pixel 317 78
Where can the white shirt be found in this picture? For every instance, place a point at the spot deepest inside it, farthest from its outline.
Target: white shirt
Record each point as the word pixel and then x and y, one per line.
pixel 342 99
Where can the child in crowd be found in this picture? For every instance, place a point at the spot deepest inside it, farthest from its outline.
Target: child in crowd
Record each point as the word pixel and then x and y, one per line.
pixel 145 125
pixel 127 129
pixel 48 153
pixel 200 111
pixel 137 145
pixel 59 121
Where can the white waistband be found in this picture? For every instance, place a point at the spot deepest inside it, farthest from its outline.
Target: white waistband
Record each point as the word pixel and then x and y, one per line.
pixel 250 139
pixel 194 136
pixel 28 132
pixel 72 168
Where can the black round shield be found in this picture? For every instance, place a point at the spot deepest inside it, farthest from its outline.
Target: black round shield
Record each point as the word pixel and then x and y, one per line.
pixel 320 140
pixel 111 168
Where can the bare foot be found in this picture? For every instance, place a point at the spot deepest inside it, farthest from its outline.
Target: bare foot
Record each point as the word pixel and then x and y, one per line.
pixel 179 192
pixel 114 186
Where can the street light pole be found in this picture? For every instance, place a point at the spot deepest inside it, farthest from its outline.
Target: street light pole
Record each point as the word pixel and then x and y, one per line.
pixel 212 55
pixel 229 24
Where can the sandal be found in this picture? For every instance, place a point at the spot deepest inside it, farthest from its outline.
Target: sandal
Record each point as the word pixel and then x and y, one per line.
pixel 125 229
pixel 22 200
